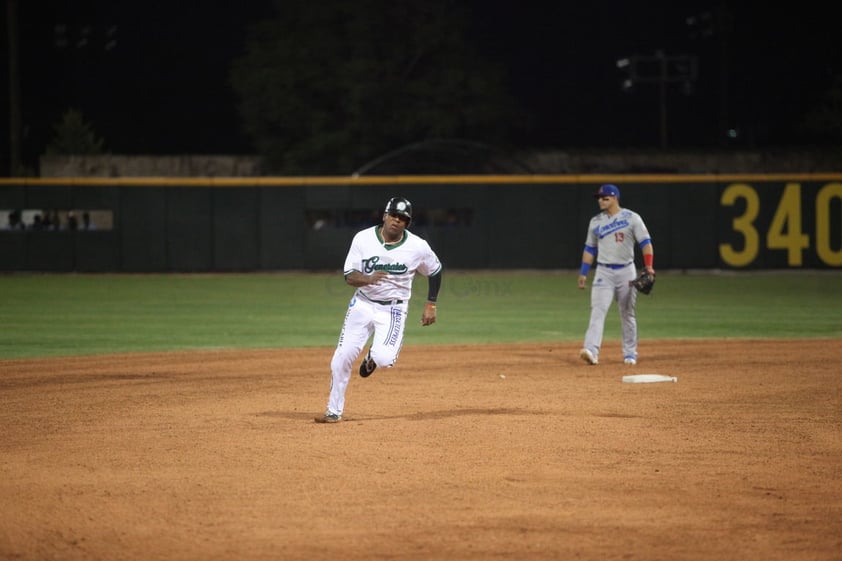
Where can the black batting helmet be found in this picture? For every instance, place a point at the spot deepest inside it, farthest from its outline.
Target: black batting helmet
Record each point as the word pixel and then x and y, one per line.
pixel 399 205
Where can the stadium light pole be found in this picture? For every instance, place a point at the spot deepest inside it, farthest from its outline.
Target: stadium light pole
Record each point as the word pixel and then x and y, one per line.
pixel 662 96
pixel 660 69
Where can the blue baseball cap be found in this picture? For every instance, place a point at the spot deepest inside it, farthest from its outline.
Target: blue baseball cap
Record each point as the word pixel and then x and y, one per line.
pixel 608 190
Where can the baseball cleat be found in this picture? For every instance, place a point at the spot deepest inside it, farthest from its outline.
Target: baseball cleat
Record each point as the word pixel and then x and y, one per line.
pixel 367 366
pixel 588 356
pixel 630 360
pixel 329 418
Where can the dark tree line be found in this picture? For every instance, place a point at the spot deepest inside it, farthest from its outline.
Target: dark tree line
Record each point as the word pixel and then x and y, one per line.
pixel 327 86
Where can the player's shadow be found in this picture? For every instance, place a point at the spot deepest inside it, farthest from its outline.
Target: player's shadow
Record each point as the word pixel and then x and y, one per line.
pixel 419 416
pixel 447 414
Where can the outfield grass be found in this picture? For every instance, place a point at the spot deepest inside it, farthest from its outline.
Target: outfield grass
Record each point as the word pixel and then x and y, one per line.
pixel 71 314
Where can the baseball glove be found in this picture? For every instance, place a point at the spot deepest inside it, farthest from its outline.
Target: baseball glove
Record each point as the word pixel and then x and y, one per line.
pixel 644 282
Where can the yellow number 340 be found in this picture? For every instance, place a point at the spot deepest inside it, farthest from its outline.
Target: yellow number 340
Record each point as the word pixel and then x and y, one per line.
pixel 785 231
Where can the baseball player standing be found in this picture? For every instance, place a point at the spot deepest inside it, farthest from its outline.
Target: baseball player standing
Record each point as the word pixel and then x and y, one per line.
pixel 612 235
pixel 381 264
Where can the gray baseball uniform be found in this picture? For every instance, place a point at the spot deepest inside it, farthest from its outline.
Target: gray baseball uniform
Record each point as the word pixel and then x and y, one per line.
pixel 612 239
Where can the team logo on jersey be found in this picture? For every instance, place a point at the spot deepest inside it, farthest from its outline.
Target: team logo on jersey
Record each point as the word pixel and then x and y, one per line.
pixel 373 264
pixel 603 231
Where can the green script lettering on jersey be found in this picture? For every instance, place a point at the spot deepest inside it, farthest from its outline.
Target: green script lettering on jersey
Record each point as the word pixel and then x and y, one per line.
pixel 371 264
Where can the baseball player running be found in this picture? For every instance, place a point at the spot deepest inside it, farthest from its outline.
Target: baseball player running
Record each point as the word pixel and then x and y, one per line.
pixel 610 241
pixel 381 264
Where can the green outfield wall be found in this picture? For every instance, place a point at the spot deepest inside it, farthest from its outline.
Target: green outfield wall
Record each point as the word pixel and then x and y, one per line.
pixel 781 221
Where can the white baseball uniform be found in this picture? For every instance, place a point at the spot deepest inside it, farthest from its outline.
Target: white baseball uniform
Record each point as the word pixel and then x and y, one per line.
pixel 380 309
pixel 613 238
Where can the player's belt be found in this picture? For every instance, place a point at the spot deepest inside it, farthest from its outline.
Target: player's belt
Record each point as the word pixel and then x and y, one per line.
pixel 382 302
pixel 611 266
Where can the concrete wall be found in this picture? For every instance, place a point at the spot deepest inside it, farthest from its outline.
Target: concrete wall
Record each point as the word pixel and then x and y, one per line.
pixel 540 162
pixel 150 166
pixel 654 161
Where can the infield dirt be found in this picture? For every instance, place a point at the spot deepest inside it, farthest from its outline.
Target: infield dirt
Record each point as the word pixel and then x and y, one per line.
pixel 518 452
